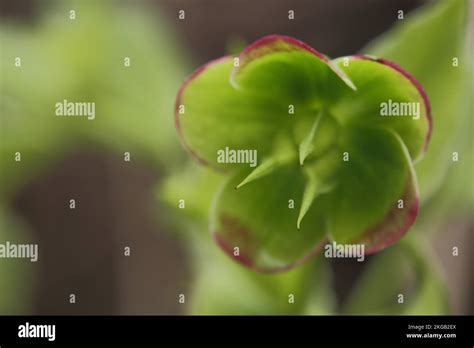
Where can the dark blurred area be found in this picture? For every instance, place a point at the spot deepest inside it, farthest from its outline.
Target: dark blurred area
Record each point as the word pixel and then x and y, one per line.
pixel 116 198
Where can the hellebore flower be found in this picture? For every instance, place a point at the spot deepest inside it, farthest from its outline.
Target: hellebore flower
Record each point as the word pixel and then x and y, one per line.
pixel 335 140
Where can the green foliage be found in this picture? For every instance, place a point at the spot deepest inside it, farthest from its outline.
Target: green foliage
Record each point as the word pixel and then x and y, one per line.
pixel 222 287
pixel 16 274
pixel 406 269
pixel 83 60
pixel 196 186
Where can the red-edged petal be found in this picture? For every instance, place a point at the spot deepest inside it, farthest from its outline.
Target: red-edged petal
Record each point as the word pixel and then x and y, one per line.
pixel 395 225
pixel 178 102
pixel 398 221
pixel 415 83
pixel 248 262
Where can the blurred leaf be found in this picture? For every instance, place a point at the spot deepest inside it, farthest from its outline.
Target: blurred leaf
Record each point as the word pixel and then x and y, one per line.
pixel 83 60
pixel 455 199
pixel 196 186
pixel 406 269
pixel 222 287
pixel 16 275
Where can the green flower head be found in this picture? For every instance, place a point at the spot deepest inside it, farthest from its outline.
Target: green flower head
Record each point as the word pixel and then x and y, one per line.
pixel 315 150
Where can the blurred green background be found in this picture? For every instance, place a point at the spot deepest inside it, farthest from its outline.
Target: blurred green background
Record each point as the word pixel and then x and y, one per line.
pixel 135 204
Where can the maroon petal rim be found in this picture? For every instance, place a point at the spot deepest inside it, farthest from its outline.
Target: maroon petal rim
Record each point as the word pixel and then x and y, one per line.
pixel 409 221
pixel 177 123
pixel 254 49
pixel 267 270
pixel 411 195
pixel 415 83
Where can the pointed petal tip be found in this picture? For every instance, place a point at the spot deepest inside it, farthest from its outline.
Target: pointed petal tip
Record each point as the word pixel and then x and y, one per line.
pixel 298 224
pixel 301 161
pixel 306 147
pixel 265 168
